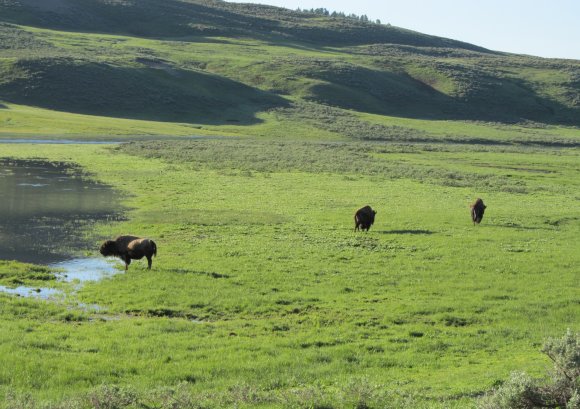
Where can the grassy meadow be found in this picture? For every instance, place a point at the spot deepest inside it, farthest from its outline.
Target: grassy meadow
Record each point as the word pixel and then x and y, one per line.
pixel 262 294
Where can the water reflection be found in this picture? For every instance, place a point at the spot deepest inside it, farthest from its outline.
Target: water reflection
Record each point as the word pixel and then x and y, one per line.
pixel 45 207
pixel 86 269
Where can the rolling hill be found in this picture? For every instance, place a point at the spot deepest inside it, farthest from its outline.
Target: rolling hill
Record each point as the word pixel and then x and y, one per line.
pixel 210 62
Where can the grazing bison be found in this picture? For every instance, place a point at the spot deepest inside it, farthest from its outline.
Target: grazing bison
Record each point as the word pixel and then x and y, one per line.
pixel 477 210
pixel 130 247
pixel 364 218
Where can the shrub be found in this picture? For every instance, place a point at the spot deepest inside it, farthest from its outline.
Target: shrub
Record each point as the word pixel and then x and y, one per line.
pixel 523 392
pixel 113 397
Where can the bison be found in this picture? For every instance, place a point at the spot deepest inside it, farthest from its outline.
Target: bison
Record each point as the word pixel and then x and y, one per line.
pixel 477 210
pixel 364 218
pixel 130 247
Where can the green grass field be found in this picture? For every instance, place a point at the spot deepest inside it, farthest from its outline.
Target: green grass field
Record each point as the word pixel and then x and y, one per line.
pixel 262 294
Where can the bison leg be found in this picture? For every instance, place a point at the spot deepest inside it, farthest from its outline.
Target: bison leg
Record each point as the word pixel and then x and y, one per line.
pixel 149 261
pixel 127 262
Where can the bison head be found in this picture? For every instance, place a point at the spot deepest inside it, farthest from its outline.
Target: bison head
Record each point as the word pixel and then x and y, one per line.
pixel 109 248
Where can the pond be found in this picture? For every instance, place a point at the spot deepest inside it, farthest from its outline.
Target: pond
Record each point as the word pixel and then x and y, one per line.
pixel 45 209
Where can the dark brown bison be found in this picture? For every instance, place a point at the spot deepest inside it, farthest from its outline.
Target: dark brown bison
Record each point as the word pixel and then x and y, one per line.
pixel 477 210
pixel 364 218
pixel 130 247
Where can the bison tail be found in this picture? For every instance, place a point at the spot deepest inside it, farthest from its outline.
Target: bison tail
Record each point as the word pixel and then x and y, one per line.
pixel 154 248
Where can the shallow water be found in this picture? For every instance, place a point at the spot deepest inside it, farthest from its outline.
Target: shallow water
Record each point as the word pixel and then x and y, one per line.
pixel 42 293
pixel 48 141
pixel 86 269
pixel 79 270
pixel 45 207
pixel 57 141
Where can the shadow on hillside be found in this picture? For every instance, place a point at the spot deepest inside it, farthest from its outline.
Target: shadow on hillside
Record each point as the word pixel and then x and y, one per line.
pixel 174 18
pixel 398 94
pixel 161 94
pixel 413 232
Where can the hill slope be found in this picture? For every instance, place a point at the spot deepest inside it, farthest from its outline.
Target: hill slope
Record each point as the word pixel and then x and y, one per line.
pixel 171 18
pixel 213 62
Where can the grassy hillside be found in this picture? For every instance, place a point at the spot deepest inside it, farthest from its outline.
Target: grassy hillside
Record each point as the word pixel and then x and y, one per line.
pixel 176 18
pixel 216 63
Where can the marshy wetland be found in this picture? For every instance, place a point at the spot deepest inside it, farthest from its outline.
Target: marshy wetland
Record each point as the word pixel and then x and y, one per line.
pixel 46 210
pixel 262 294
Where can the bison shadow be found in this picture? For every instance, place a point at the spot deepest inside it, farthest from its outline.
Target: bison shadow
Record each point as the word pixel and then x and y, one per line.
pixel 406 232
pixel 519 226
pixel 203 273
